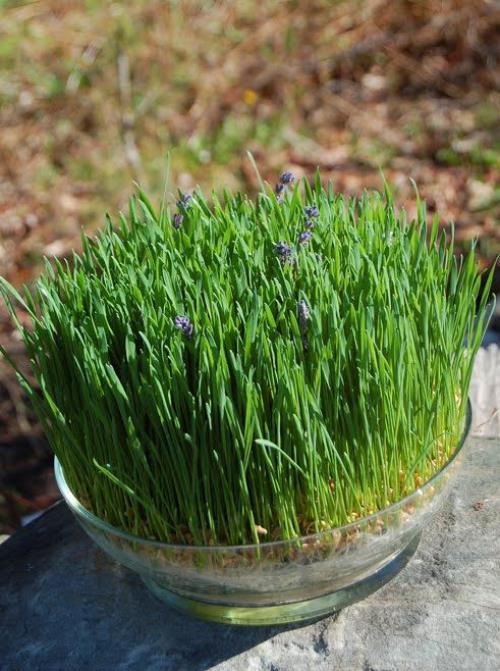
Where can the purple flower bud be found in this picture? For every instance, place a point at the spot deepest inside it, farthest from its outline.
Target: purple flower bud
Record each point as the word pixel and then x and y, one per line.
pixel 305 237
pixel 311 212
pixel 304 315
pixel 310 223
pixel 177 220
pixel 284 252
pixel 287 178
pixel 279 189
pixel 184 324
pixel 184 201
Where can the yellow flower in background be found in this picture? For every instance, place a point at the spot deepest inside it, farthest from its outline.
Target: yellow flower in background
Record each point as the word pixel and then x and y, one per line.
pixel 250 97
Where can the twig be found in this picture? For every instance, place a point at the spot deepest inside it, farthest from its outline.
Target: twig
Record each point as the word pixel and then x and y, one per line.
pixel 131 152
pixel 492 416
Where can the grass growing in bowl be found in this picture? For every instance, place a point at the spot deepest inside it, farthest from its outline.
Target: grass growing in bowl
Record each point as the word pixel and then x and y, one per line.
pixel 243 371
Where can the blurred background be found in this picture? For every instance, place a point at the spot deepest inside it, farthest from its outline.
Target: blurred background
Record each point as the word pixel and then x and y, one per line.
pixel 94 94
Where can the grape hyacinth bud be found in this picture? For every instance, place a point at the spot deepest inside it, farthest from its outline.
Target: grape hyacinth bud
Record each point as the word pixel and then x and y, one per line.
pixel 184 324
pixel 177 220
pixel 279 190
pixel 304 315
pixel 311 212
pixel 287 178
pixel 305 237
pixel 184 201
pixel 284 252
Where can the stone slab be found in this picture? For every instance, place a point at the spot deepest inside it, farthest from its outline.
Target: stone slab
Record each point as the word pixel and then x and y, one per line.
pixel 485 392
pixel 65 607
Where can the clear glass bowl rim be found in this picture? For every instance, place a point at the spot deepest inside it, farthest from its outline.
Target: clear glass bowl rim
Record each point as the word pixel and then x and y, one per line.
pixel 95 521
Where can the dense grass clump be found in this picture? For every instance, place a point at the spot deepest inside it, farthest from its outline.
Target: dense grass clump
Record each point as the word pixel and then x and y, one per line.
pixel 242 371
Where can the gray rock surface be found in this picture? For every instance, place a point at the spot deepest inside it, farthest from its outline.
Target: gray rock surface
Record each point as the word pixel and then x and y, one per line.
pixel 485 392
pixel 64 606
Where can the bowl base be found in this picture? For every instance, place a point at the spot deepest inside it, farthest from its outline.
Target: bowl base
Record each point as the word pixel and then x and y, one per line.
pixel 285 613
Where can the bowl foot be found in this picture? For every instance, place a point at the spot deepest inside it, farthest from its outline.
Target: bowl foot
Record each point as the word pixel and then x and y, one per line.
pixel 285 613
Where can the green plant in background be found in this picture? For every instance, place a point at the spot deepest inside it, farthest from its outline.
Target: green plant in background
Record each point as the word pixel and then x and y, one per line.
pixel 241 371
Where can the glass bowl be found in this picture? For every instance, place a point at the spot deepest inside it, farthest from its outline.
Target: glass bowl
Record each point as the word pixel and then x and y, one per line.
pixel 278 582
